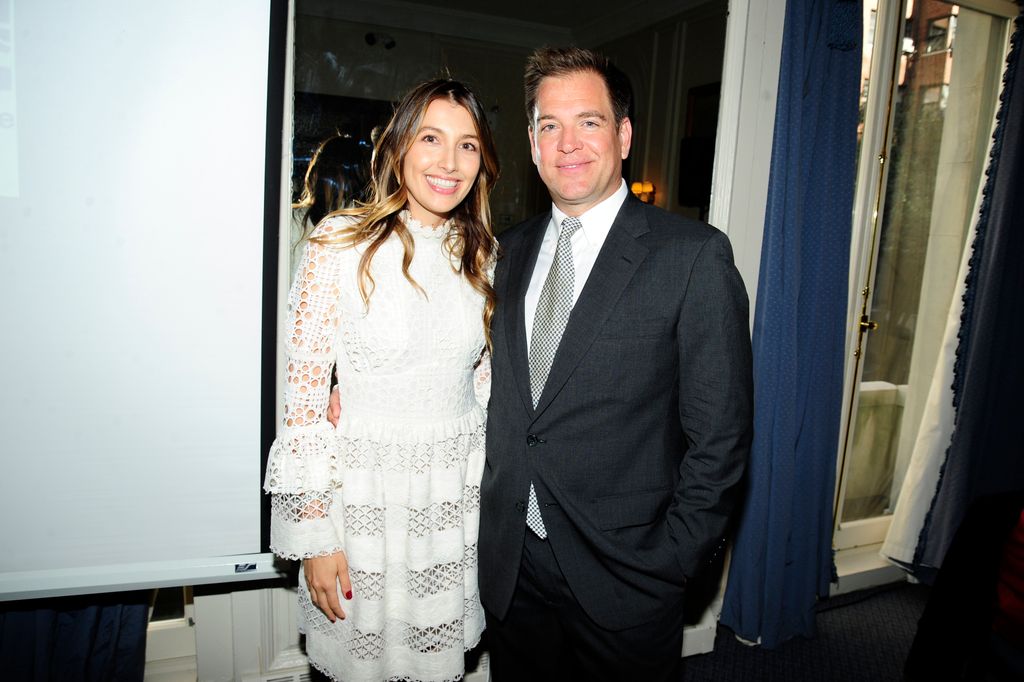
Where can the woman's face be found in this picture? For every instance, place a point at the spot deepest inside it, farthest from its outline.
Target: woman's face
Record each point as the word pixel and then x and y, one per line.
pixel 442 164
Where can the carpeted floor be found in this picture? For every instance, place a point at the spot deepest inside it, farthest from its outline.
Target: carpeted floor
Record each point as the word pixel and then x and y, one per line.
pixel 863 636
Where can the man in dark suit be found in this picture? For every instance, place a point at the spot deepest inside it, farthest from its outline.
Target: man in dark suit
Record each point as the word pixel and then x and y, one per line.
pixel 620 413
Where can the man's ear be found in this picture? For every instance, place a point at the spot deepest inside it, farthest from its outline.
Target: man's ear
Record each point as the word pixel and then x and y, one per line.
pixel 625 136
pixel 534 154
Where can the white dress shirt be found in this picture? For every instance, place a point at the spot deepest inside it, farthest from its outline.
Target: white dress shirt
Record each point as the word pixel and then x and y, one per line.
pixel 586 244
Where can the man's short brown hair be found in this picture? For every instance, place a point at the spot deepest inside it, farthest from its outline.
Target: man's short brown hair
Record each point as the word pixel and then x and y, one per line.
pixel 553 62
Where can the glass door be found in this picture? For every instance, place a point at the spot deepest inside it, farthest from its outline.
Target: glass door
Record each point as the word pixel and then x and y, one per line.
pixel 930 84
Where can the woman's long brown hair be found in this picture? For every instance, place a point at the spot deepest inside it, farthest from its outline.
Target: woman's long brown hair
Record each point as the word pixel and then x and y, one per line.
pixel 472 240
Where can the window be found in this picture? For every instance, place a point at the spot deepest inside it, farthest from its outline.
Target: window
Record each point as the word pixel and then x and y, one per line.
pixel 939 34
pixel 932 73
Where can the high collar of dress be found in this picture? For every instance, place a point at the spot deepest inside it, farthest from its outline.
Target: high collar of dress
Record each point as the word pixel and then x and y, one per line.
pixel 418 228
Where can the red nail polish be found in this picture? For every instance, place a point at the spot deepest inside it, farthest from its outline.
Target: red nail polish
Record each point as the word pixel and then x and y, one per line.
pixel 348 595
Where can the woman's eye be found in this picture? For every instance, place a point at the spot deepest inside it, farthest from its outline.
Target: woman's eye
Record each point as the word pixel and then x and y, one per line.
pixel 430 138
pixel 469 146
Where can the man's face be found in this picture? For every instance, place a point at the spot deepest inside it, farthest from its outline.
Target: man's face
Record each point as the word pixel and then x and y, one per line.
pixel 575 143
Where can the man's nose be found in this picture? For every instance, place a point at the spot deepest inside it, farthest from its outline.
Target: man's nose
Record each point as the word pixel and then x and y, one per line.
pixel 569 142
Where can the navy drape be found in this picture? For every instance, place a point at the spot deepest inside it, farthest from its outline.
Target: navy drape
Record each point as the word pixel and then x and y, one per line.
pixel 94 638
pixel 986 452
pixel 782 555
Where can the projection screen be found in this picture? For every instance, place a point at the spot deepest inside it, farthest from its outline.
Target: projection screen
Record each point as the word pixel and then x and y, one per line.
pixel 134 196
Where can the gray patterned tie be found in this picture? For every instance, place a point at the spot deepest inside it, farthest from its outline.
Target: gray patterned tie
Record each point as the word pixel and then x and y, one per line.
pixel 553 308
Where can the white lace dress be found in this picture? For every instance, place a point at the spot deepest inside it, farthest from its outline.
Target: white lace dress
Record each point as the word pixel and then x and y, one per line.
pixel 397 485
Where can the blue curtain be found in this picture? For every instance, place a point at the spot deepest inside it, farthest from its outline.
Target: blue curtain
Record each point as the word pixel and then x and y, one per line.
pixel 93 638
pixel 986 452
pixel 782 556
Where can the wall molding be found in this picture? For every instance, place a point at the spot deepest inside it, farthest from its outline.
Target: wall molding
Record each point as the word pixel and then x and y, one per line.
pixel 746 127
pixel 279 632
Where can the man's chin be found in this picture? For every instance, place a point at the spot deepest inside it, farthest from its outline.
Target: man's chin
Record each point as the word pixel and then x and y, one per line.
pixel 573 196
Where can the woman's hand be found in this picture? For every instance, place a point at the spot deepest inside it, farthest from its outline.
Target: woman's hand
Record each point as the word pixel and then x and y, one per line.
pixel 334 409
pixel 322 576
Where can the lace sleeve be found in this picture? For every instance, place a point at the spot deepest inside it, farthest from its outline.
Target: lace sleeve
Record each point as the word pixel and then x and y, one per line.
pixel 302 471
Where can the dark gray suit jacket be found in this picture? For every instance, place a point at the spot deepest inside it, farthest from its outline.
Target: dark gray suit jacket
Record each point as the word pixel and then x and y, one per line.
pixel 641 434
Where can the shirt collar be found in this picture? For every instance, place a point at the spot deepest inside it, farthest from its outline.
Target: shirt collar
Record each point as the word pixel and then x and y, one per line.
pixel 597 222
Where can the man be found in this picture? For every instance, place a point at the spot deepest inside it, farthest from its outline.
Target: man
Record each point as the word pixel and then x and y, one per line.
pixel 620 413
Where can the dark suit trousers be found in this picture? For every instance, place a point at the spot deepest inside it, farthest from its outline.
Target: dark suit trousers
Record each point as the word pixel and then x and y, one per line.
pixel 546 635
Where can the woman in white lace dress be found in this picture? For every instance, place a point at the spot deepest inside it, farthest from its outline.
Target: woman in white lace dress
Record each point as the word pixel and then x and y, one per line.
pixel 383 510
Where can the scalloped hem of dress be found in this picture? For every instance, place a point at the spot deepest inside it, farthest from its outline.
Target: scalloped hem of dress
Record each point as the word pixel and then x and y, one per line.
pixel 309 555
pixel 330 675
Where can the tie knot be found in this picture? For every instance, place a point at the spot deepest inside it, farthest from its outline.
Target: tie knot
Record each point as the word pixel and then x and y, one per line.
pixel 569 227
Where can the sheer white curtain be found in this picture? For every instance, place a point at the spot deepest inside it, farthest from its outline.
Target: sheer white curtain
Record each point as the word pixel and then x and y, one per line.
pixel 934 433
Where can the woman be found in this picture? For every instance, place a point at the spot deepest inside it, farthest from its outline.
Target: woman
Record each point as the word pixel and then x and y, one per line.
pixel 395 295
pixel 336 177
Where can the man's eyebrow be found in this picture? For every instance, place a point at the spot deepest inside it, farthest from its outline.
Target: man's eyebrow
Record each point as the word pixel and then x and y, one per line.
pixel 583 114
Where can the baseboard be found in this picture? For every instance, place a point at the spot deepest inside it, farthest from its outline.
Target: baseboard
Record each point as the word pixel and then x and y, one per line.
pixel 699 638
pixel 862 567
pixel 181 669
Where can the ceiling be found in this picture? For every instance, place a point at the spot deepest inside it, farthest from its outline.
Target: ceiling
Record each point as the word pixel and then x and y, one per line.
pixel 561 13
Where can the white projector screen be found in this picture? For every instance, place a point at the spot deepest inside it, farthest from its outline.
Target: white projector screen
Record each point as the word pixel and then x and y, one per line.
pixel 133 156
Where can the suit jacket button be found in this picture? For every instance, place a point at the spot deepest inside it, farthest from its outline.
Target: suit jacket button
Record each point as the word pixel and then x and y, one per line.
pixel 520 506
pixel 532 440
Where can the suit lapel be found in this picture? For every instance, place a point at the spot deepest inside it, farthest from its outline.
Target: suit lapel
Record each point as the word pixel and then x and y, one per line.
pixel 521 261
pixel 618 260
